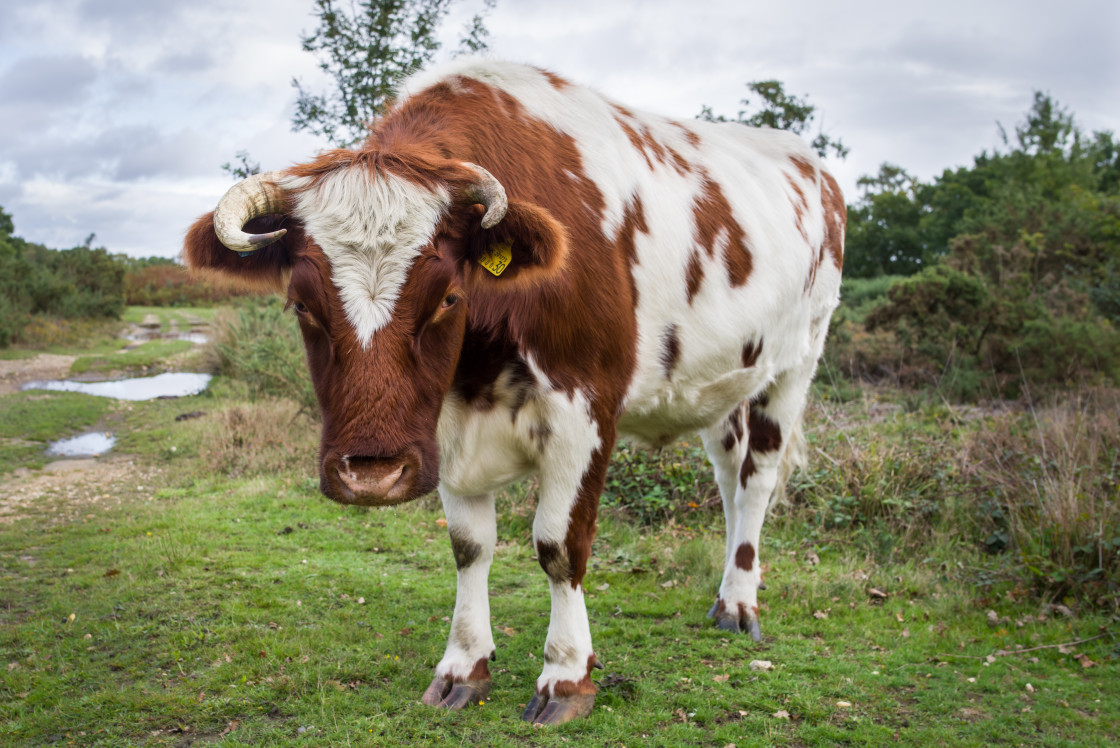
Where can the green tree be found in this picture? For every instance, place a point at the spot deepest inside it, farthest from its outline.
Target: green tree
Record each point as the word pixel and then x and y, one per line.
pixel 366 48
pixel 780 111
pixel 1019 256
pixel 884 228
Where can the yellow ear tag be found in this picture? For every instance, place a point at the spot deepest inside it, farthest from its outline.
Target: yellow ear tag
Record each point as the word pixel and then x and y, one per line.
pixel 497 258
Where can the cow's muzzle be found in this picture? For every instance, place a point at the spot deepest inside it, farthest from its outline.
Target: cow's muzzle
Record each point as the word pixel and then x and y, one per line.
pixel 375 481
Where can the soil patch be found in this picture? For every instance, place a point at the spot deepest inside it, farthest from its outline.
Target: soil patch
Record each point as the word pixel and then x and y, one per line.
pixel 44 366
pixel 73 490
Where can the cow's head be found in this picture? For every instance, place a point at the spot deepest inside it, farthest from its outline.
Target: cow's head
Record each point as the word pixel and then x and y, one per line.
pixel 381 257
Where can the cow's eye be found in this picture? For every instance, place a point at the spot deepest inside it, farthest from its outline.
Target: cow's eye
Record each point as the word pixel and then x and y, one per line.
pixel 299 307
pixel 450 301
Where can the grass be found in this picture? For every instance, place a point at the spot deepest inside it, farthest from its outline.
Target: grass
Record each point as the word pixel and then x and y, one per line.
pixel 183 317
pixel 34 418
pixel 232 611
pixel 227 602
pixel 147 356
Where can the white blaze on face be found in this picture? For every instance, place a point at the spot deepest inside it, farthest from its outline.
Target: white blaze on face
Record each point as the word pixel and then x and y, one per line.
pixel 371 228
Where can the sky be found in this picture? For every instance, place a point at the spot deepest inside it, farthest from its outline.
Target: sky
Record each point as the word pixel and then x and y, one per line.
pixel 115 115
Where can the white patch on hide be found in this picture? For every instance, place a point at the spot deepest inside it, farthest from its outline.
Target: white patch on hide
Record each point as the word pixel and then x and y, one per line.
pixel 371 228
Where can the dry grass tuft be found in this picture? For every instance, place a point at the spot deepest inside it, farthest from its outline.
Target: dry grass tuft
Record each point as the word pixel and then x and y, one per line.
pixel 261 438
pixel 1056 472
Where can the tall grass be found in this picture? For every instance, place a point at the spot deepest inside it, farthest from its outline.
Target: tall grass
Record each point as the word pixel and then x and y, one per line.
pixel 266 437
pixel 1038 489
pixel 260 345
pixel 1055 473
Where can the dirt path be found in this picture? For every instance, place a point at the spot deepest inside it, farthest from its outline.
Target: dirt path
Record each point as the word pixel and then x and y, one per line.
pixel 74 490
pixel 68 490
pixel 44 366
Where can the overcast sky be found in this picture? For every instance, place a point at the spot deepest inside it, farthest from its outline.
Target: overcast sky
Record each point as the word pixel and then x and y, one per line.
pixel 115 115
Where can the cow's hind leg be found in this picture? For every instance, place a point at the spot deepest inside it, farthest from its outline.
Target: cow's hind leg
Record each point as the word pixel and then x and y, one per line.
pixel 462 677
pixel 747 450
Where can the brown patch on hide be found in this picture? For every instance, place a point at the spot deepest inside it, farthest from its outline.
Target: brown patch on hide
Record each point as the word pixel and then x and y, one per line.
pixel 764 435
pixel 734 433
pixel 744 556
pixel 566 688
pixel 750 353
pixel 715 224
pixel 554 560
pixel 465 550
pixel 746 469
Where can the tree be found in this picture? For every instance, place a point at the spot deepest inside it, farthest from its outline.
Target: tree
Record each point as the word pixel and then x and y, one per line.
pixel 1019 271
pixel 781 111
pixel 366 48
pixel 885 227
pixel 367 51
pixel 243 167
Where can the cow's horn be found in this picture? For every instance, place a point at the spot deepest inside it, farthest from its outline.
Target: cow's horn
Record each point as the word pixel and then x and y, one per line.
pixel 489 192
pixel 259 195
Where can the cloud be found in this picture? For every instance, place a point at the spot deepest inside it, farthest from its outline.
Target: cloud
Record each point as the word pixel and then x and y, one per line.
pixel 47 81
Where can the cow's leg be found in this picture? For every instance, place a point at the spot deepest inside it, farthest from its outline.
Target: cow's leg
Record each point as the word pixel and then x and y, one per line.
pixel 571 479
pixel 462 677
pixel 746 450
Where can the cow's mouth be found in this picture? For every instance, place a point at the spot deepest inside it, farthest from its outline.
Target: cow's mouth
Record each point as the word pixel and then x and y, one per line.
pixel 373 481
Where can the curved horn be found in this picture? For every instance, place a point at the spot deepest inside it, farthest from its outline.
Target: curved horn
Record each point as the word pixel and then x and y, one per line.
pixel 259 195
pixel 489 192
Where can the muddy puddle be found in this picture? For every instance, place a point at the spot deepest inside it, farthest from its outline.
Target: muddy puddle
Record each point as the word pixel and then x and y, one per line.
pixel 172 384
pixel 93 444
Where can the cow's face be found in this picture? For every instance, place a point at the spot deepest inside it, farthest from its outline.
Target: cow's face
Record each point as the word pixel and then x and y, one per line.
pixel 381 271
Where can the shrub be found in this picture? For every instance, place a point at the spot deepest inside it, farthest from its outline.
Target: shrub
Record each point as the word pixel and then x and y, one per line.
pixel 154 282
pixel 988 320
pixel 261 345
pixel 889 482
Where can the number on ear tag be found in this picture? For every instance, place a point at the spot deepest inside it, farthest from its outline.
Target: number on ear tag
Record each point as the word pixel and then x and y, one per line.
pixel 497 258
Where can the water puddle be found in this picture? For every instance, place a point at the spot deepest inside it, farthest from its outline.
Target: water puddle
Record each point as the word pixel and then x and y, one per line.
pixel 172 384
pixel 196 335
pixel 83 445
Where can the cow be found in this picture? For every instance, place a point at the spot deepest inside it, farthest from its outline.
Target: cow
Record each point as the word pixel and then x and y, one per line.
pixel 511 271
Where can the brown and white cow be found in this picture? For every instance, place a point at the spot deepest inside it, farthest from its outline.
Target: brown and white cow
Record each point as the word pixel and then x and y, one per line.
pixel 512 271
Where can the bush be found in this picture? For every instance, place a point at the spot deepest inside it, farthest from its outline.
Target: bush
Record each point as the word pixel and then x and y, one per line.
pixel 156 282
pixel 989 321
pixel 261 345
pixel 1049 483
pixel 886 482
pixel 41 283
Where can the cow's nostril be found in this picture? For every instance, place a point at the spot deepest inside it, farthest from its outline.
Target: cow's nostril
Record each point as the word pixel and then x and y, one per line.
pixel 371 480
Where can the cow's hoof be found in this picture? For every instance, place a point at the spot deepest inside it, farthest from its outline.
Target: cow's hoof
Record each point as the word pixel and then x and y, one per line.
pixel 451 695
pixel 556 711
pixel 733 622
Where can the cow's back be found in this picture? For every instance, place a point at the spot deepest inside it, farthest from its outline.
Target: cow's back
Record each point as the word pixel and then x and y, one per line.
pixel 729 238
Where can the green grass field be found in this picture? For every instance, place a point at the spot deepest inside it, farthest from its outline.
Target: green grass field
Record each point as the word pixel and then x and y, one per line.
pixel 212 596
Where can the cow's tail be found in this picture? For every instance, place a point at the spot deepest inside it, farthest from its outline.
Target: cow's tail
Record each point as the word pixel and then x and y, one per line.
pixel 795 455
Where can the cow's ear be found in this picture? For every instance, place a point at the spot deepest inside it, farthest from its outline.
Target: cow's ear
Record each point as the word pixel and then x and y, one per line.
pixel 264 269
pixel 526 247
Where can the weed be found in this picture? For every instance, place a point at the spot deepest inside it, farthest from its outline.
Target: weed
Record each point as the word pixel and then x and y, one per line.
pixel 653 485
pixel 150 356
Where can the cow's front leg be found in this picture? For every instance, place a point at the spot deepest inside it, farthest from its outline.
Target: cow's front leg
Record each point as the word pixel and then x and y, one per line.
pixel 463 677
pixel 563 529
